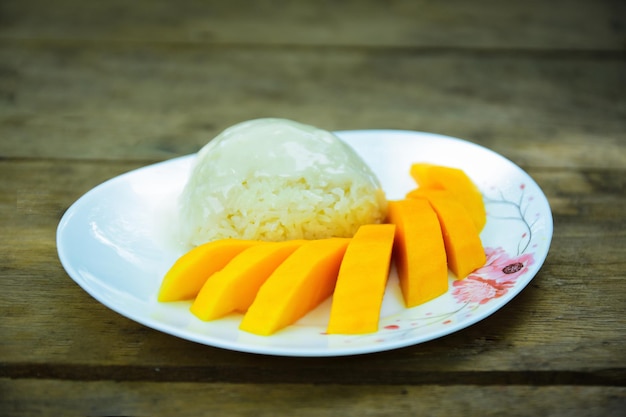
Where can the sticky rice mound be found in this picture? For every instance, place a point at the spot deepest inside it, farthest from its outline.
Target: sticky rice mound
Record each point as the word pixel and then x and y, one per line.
pixel 274 180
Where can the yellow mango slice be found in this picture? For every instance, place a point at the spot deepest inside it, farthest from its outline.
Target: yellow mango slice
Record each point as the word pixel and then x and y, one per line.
pixel 189 273
pixel 234 287
pixel 456 182
pixel 463 245
pixel 305 279
pixel 361 282
pixel 419 251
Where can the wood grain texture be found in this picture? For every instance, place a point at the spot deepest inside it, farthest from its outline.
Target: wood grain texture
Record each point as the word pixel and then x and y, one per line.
pixel 90 90
pixel 48 397
pixel 156 102
pixel 561 24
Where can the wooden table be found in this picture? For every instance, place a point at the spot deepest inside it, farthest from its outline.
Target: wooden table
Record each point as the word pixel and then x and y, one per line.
pixel 89 90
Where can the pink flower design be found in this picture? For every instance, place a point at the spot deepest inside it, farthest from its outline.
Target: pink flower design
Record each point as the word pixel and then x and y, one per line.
pixel 500 267
pixel 493 280
pixel 475 289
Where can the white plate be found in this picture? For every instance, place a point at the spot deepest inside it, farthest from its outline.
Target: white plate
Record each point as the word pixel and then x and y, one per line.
pixel 116 243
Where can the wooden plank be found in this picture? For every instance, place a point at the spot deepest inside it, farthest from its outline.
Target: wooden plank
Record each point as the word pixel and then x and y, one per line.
pixel 563 326
pixel 91 90
pixel 139 102
pixel 24 398
pixel 536 24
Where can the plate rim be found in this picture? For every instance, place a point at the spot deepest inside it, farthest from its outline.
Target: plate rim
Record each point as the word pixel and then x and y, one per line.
pixel 304 352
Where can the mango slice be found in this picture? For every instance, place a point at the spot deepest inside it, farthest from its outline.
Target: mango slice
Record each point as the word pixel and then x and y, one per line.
pixel 456 182
pixel 234 287
pixel 189 273
pixel 462 241
pixel 362 280
pixel 305 279
pixel 419 250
